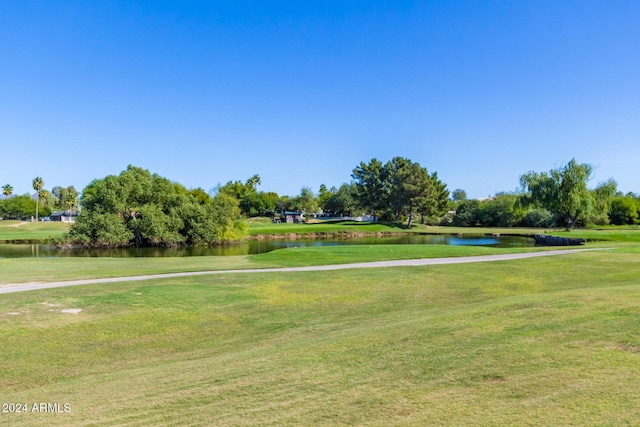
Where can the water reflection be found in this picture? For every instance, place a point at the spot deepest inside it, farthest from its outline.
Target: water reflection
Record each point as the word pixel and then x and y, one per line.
pixel 257 246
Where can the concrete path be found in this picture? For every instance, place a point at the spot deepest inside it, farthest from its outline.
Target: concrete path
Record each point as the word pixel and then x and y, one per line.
pixel 21 287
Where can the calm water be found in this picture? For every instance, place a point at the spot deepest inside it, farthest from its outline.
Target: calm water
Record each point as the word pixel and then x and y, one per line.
pixel 259 246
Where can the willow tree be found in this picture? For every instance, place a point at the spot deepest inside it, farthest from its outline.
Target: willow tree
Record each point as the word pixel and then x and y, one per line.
pixel 563 191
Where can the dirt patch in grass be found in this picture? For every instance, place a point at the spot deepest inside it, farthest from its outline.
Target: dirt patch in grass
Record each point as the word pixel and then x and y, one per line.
pixel 20 224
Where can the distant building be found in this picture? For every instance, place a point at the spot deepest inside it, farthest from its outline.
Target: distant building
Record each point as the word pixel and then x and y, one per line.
pixel 292 217
pixel 63 216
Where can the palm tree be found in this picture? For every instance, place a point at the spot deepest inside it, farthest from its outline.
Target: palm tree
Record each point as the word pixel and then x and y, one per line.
pixel 71 200
pixel 253 182
pixel 38 183
pixel 7 190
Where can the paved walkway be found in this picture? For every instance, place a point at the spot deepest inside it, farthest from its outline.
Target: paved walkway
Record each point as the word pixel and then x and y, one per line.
pixel 10 288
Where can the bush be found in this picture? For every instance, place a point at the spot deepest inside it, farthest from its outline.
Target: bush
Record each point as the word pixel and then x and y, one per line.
pixel 538 218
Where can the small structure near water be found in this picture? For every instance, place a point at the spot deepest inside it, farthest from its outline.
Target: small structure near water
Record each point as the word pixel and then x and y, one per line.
pixel 545 240
pixel 293 217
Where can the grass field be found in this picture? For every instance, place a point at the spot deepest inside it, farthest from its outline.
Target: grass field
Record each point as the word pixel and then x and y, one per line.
pixel 34 231
pixel 263 227
pixel 534 342
pixel 20 270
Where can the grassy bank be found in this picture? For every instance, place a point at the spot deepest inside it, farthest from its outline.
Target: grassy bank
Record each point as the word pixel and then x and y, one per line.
pixel 267 228
pixel 533 342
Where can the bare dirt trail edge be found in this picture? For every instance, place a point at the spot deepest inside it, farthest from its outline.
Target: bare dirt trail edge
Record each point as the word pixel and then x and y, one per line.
pixel 21 287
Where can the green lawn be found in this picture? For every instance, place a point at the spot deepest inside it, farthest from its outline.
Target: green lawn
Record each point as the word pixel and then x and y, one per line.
pixel 262 227
pixel 34 231
pixel 19 270
pixel 547 341
pixel 618 234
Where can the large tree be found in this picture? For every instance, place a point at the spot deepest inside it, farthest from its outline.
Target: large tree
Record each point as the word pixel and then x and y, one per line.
pixel 306 201
pixel 435 202
pixel 38 184
pixel 18 207
pixel 413 189
pixel 372 185
pixel 143 209
pixel 342 200
pixel 562 191
pixel 324 194
pixel 259 203
pixel 625 210
pixel 62 195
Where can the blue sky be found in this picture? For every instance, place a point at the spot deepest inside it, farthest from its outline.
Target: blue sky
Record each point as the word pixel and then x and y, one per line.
pixel 299 92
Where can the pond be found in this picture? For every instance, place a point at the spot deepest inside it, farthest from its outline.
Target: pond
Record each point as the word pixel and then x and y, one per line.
pixel 260 246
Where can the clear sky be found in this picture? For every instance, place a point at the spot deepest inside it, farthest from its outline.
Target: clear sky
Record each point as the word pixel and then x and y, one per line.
pixel 300 92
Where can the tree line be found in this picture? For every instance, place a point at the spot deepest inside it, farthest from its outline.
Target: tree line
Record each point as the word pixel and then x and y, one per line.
pixel 393 191
pixel 46 202
pixel 139 208
pixel 557 198
pixel 400 189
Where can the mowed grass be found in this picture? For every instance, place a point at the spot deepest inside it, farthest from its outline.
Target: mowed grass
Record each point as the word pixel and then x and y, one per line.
pixel 266 227
pixel 21 270
pixel 548 341
pixel 33 231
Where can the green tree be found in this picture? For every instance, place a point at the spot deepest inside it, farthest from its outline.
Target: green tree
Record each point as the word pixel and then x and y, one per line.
pixel 435 202
pixel 306 201
pixel 412 189
pixel 235 189
pixel 502 210
pixel 625 210
pixel 562 191
pixel 258 204
pixel 285 203
pixel 18 207
pixel 372 186
pixel 143 209
pixel 48 202
pixel 71 199
pixel 7 190
pixel 467 213
pixel 342 201
pixel 458 195
pixel 200 195
pixel 538 217
pixel 324 194
pixel 38 184
pixel 253 182
pixel 61 196
pixel 56 192
pixel 602 196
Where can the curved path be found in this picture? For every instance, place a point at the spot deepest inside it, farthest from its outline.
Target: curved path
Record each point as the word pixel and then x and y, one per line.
pixel 10 288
